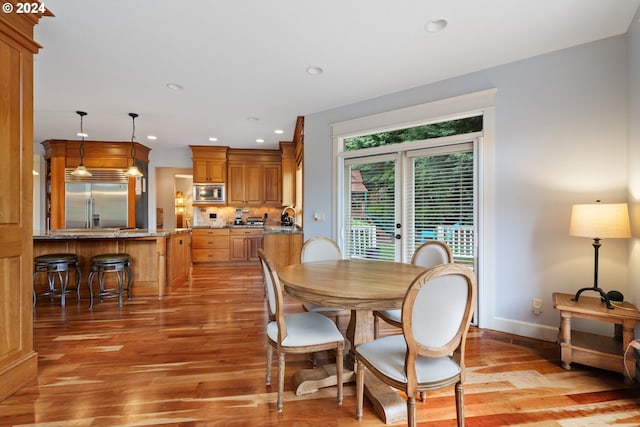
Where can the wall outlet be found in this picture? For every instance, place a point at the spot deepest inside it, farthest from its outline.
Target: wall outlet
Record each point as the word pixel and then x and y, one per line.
pixel 536 306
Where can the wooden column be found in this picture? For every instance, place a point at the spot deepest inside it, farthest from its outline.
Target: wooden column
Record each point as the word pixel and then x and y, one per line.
pixel 18 361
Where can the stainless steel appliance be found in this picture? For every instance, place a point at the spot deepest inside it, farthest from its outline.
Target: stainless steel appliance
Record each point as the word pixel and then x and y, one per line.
pixel 207 194
pixel 255 221
pixel 91 204
pixel 95 205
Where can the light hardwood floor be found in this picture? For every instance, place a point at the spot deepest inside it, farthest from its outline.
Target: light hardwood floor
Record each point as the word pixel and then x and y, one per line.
pixel 197 358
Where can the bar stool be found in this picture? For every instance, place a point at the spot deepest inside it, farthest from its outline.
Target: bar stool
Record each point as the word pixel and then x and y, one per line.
pixel 56 264
pixel 120 264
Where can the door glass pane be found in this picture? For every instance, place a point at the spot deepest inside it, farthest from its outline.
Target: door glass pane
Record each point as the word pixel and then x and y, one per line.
pixel 441 202
pixel 370 209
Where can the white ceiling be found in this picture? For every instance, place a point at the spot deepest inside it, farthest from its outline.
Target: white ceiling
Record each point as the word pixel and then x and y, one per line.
pixel 248 58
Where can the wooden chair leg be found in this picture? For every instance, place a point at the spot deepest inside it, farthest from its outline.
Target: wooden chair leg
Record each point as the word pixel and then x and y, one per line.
pixel 269 362
pixel 411 411
pixel 280 381
pixel 339 368
pixel 460 404
pixel 359 389
pixel 376 327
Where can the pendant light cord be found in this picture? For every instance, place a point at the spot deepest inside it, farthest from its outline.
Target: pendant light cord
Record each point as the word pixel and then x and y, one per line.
pixel 81 114
pixel 133 136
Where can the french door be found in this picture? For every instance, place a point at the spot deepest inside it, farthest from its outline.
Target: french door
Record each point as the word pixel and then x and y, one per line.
pixel 394 202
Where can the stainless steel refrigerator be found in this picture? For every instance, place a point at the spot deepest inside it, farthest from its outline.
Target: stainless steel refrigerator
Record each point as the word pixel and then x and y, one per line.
pixel 95 205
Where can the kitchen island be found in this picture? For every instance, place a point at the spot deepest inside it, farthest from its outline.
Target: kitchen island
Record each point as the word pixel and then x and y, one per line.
pixel 160 259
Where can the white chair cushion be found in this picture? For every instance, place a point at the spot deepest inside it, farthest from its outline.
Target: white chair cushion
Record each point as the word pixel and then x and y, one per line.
pixel 388 356
pixel 320 308
pixel 306 329
pixel 395 315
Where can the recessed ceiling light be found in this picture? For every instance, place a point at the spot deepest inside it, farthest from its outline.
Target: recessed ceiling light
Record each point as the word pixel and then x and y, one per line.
pixel 213 139
pixel 435 26
pixel 278 131
pixel 259 140
pixel 314 70
pixel 152 137
pixel 253 118
pixel 175 86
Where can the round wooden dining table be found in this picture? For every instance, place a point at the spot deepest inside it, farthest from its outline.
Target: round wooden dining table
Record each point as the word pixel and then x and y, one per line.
pixel 362 286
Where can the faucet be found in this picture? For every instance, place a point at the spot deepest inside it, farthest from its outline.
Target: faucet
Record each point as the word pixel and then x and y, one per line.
pixel 291 208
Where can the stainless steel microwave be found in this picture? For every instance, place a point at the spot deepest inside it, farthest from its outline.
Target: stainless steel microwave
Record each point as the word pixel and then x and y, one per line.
pixel 208 194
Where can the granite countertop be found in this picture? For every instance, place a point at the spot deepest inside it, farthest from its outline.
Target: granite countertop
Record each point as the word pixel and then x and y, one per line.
pixel 108 233
pixel 266 229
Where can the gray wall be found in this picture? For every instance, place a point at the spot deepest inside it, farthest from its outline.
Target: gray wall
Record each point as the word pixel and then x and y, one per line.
pixel 633 93
pixel 560 138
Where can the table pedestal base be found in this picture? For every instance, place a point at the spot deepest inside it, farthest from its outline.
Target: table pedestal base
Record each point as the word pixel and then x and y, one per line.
pixel 387 403
pixel 310 380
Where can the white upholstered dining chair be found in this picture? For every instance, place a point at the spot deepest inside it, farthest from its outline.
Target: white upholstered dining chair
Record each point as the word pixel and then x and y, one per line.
pixel 429 254
pixel 322 249
pixel 296 333
pixel 429 354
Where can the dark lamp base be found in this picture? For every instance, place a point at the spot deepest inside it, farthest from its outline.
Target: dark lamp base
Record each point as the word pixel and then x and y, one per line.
pixel 603 296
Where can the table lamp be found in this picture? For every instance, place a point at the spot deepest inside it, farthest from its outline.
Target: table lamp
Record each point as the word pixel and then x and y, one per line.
pixel 599 221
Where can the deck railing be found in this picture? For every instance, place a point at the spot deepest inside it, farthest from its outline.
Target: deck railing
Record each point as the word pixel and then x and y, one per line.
pixel 363 241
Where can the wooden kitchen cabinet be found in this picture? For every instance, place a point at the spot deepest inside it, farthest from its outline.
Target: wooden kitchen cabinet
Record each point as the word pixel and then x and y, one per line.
pixel 178 259
pixel 288 173
pixel 244 244
pixel 283 249
pixel 246 184
pixel 210 245
pixel 209 164
pixel 272 184
pixel 209 171
pixel 254 178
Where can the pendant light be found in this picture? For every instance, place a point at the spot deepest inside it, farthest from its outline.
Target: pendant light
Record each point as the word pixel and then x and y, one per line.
pixel 133 169
pixel 81 170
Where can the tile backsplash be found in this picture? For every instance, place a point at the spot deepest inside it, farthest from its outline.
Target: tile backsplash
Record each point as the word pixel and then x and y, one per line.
pixel 225 215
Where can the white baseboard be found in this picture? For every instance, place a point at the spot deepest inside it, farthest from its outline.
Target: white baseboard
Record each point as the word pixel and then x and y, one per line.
pixel 530 330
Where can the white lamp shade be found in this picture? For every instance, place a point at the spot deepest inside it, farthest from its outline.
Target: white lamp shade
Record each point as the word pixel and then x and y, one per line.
pixel 81 170
pixel 133 171
pixel 600 220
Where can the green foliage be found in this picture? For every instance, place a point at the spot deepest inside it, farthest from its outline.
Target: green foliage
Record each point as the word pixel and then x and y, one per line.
pixel 379 177
pixel 418 133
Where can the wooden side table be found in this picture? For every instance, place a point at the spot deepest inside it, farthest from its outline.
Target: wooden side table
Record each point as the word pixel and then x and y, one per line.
pixel 591 349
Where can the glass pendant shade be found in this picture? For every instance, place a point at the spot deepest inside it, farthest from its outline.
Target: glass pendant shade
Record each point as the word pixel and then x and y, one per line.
pixel 81 170
pixel 133 169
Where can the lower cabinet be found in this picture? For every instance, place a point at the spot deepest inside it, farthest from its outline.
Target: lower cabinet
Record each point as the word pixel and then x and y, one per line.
pixel 244 244
pixel 283 249
pixel 210 245
pixel 178 259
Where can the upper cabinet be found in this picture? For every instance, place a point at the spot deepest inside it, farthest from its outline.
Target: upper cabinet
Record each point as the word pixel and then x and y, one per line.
pixel 254 178
pixel 209 164
pixel 288 150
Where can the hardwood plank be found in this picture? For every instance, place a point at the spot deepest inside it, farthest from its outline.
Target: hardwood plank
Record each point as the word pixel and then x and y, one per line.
pixel 197 357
